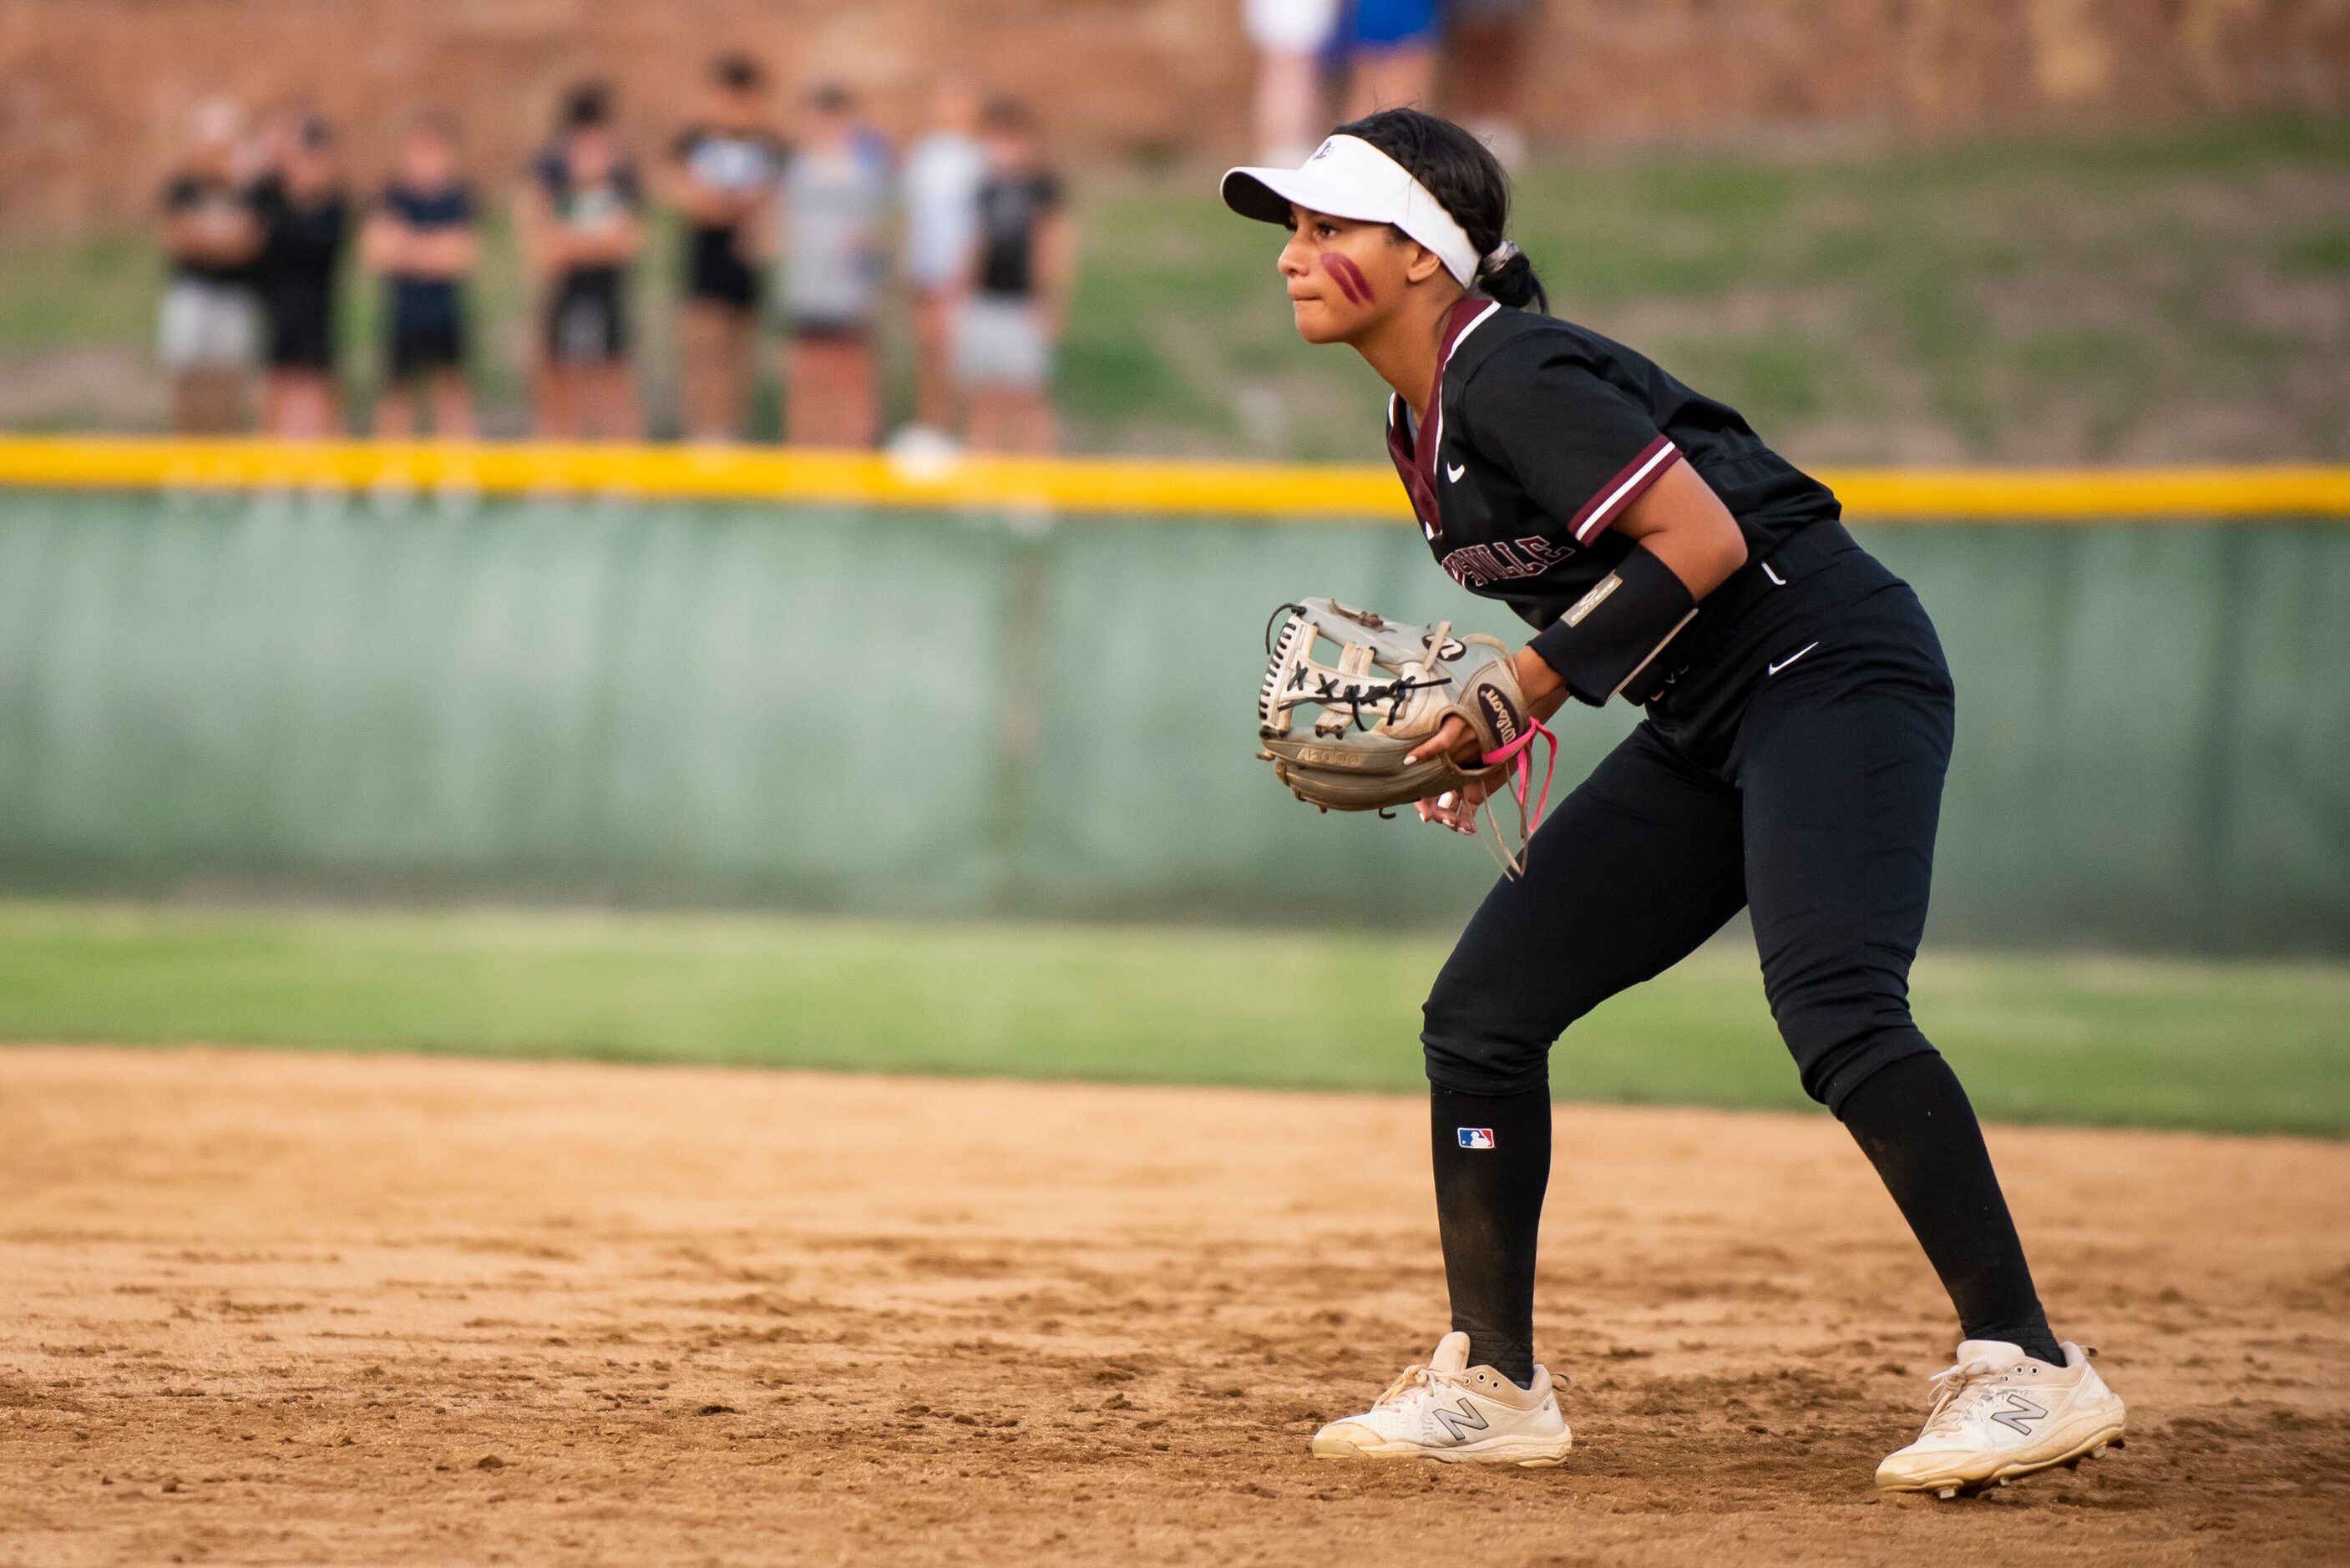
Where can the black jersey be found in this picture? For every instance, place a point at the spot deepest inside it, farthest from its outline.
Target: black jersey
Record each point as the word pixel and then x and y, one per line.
pixel 1011 208
pixel 1542 433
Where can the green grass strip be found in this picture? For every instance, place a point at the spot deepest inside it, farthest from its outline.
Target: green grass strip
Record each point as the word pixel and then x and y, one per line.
pixel 2236 1047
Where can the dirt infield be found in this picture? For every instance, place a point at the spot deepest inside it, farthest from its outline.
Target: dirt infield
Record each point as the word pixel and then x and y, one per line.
pixel 283 1308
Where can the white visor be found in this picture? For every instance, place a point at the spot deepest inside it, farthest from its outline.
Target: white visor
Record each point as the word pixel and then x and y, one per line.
pixel 1350 178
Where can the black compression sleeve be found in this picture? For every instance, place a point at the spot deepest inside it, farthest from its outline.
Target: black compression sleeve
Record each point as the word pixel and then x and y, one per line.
pixel 1493 1167
pixel 1610 635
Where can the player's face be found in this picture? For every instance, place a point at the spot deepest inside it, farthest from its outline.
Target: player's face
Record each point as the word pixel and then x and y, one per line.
pixel 427 161
pixel 1342 276
pixel 735 109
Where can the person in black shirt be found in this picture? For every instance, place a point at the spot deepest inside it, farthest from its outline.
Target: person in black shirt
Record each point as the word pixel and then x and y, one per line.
pixel 305 223
pixel 1799 720
pixel 424 240
pixel 210 322
pixel 727 164
pixel 1022 255
pixel 582 225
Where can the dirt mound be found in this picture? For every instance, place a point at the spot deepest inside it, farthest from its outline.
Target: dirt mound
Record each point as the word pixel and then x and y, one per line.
pixel 277 1308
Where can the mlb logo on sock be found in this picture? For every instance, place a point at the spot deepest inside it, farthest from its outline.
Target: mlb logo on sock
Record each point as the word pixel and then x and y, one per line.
pixel 1475 1137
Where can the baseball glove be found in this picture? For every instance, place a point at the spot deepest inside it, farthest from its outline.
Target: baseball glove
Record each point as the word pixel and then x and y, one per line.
pixel 1391 687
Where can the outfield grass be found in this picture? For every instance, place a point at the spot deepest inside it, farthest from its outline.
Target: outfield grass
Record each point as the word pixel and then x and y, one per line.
pixel 2229 1047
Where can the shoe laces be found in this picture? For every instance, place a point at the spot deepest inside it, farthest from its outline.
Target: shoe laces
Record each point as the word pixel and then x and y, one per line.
pixel 1954 1389
pixel 1419 1374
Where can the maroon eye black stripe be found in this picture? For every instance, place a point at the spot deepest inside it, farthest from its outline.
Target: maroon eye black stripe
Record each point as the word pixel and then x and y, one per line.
pixel 1351 281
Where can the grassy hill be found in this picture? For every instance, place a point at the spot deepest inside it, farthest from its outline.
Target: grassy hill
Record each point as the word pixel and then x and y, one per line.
pixel 2178 296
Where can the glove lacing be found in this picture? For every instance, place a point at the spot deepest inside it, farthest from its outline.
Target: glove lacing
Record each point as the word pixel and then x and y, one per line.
pixel 1520 751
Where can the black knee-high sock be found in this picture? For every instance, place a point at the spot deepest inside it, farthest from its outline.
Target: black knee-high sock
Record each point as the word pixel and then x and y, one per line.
pixel 1915 1124
pixel 1493 1165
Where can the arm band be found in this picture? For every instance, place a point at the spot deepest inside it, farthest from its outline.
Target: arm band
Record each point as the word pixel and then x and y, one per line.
pixel 1611 635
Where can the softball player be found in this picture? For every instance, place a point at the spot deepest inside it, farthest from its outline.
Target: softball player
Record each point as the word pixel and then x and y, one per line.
pixel 1799 722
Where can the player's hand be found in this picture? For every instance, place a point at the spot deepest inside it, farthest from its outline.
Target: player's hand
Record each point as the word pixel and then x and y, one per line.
pixel 1454 740
pixel 1455 809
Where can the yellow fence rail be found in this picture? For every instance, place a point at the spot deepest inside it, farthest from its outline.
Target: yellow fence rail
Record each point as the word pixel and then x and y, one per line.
pixel 1094 486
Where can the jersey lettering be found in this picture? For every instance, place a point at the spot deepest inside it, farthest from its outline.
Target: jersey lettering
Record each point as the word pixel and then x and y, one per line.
pixel 1478 566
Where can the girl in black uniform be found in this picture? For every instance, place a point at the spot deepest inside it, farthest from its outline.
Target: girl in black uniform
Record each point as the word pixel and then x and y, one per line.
pixel 305 223
pixel 582 227
pixel 1799 724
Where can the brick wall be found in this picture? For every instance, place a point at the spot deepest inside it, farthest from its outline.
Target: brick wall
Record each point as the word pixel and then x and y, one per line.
pixel 92 91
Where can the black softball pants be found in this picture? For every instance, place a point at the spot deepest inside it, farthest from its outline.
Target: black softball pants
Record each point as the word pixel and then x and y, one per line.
pixel 1817 809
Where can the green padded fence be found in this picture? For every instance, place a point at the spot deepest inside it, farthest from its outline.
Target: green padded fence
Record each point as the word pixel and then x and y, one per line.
pixel 890 710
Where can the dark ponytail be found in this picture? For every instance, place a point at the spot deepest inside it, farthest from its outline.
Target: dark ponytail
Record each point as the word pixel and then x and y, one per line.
pixel 1465 176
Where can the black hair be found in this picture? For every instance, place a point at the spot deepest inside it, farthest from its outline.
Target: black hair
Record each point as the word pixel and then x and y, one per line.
pixel 1463 175
pixel 738 72
pixel 588 104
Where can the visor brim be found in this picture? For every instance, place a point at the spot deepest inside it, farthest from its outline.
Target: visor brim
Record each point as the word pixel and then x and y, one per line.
pixel 1252 193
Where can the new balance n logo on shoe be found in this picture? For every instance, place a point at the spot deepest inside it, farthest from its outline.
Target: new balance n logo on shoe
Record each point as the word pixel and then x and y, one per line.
pixel 1461 1421
pixel 2020 1414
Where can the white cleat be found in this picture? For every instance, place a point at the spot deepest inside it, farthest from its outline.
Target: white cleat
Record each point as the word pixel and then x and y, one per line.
pixel 1456 1412
pixel 2000 1414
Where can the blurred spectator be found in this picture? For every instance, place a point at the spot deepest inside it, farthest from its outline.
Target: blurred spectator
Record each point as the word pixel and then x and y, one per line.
pixel 1020 274
pixel 1290 36
pixel 942 177
pixel 582 225
pixel 1487 42
pixel 424 239
pixel 728 162
pixel 1392 51
pixel 211 320
pixel 306 224
pixel 835 196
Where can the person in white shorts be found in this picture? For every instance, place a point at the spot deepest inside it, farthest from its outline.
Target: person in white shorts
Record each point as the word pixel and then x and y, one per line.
pixel 1021 266
pixel 1289 36
pixel 941 182
pixel 209 327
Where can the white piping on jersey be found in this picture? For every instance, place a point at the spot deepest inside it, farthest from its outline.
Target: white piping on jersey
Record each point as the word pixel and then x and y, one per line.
pixel 1436 447
pixel 1398 413
pixel 1599 518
